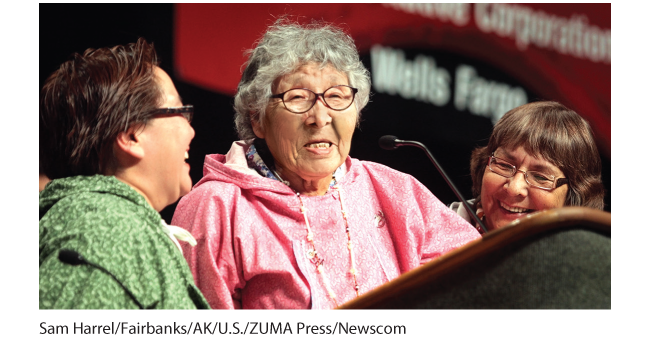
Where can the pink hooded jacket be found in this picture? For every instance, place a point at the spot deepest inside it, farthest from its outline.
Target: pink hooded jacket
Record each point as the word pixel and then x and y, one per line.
pixel 252 236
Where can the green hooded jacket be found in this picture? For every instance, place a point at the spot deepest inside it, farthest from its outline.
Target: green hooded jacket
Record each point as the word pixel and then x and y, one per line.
pixel 113 226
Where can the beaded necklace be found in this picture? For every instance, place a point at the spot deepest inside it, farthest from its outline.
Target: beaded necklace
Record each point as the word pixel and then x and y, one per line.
pixel 255 161
pixel 312 253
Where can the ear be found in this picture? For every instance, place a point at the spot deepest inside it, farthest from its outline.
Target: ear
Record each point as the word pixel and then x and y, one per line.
pixel 257 127
pixel 130 142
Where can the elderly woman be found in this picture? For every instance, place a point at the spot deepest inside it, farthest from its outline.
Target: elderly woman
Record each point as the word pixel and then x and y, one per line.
pixel 540 155
pixel 287 219
pixel 114 139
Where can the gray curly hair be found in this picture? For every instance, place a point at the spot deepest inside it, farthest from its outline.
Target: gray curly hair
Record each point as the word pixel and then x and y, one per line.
pixel 284 48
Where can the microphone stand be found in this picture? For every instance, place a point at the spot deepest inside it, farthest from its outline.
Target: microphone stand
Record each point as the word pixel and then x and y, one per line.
pixel 399 143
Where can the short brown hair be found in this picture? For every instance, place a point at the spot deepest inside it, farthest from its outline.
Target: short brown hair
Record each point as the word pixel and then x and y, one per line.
pixel 89 100
pixel 557 134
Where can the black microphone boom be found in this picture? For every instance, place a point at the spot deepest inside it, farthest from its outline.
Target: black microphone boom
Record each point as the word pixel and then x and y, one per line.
pixel 74 258
pixel 390 142
pixel 387 142
pixel 71 257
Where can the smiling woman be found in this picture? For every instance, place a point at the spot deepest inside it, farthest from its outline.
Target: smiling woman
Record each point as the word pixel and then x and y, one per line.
pixel 287 219
pixel 308 146
pixel 540 156
pixel 114 137
pixel 165 142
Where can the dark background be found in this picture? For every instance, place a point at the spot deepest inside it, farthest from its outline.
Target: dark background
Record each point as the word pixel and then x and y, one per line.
pixel 68 28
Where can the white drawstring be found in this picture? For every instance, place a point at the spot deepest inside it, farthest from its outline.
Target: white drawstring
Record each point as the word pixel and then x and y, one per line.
pixel 178 234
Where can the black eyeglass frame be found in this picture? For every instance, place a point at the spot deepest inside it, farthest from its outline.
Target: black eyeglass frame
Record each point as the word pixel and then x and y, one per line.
pixel 187 111
pixel 557 182
pixel 316 95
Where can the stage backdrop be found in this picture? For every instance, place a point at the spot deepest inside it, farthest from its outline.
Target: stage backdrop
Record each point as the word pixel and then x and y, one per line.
pixel 442 74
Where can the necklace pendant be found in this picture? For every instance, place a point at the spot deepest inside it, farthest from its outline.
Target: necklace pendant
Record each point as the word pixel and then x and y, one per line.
pixel 379 219
pixel 311 253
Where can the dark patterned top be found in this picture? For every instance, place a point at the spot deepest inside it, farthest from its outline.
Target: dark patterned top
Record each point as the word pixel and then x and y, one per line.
pixel 113 226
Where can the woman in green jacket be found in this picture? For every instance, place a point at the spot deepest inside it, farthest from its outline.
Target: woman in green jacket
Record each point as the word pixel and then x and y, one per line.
pixel 114 137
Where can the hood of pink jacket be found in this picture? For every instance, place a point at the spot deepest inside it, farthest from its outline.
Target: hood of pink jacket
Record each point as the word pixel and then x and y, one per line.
pixel 233 168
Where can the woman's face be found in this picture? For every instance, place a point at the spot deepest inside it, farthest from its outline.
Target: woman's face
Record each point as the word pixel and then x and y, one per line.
pixel 166 143
pixel 507 199
pixel 313 144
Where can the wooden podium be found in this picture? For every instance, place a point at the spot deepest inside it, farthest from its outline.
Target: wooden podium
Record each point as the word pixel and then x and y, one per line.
pixel 554 259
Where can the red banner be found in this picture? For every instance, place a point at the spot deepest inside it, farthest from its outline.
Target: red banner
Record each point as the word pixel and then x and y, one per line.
pixel 556 52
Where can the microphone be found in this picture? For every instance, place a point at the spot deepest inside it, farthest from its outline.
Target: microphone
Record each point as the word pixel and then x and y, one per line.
pixel 74 258
pixel 390 142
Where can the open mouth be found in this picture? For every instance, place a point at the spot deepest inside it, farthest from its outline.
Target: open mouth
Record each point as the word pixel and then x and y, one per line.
pixel 319 145
pixel 516 210
pixel 187 155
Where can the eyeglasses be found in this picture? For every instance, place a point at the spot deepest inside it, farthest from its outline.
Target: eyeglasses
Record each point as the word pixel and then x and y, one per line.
pixel 533 178
pixel 186 111
pixel 301 100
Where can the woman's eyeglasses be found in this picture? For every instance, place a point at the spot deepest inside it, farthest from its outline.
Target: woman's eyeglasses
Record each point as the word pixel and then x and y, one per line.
pixel 187 111
pixel 301 100
pixel 533 178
